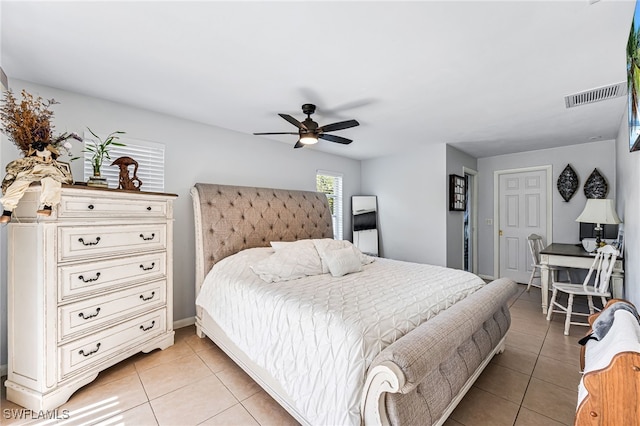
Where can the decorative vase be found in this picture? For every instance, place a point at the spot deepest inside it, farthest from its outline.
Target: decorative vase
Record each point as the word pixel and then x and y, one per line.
pixel 96 180
pixel 596 185
pixel 567 183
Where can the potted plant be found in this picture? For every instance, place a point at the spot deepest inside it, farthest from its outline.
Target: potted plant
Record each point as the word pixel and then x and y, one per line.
pixel 99 149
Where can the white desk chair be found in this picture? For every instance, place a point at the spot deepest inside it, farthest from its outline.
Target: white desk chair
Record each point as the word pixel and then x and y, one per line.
pixel 536 245
pixel 603 266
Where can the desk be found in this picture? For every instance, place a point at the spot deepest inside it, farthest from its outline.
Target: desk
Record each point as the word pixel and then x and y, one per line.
pixel 573 256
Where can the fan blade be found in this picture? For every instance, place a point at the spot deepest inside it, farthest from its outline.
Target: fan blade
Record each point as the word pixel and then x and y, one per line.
pixel 339 126
pixel 276 133
pixel 298 144
pixel 334 138
pixel 293 121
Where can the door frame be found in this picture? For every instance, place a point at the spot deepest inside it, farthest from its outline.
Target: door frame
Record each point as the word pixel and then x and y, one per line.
pixel 496 209
pixel 474 219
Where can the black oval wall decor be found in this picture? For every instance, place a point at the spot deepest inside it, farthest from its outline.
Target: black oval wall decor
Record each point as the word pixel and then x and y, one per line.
pixel 567 183
pixel 596 185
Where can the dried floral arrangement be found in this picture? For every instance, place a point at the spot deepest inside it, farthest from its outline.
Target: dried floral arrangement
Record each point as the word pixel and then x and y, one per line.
pixel 28 124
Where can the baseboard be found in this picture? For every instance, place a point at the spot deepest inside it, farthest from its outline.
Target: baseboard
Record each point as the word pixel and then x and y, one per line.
pixel 185 322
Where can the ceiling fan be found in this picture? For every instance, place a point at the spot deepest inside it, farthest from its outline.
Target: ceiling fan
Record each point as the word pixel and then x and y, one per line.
pixel 309 132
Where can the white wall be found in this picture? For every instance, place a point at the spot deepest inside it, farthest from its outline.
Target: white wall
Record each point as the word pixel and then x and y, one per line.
pixel 456 162
pixel 412 203
pixel 628 207
pixel 194 153
pixel 582 157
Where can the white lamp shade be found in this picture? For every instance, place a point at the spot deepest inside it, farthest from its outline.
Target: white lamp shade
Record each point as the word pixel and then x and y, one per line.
pixel 599 210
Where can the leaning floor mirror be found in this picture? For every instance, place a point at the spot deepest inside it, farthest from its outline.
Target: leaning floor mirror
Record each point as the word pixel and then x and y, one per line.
pixel 365 223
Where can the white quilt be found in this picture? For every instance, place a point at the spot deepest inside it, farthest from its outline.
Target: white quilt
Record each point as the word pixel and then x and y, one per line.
pixel 318 335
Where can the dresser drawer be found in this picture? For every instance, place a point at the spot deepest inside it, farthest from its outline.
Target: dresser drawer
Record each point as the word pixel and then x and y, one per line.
pixel 92 241
pixel 81 279
pixel 105 344
pixel 105 207
pixel 98 311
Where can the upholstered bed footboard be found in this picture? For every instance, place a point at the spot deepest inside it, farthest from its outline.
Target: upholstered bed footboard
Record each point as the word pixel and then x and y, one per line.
pixel 420 378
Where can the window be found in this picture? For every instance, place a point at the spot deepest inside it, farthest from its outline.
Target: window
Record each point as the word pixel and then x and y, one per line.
pixel 149 155
pixel 330 183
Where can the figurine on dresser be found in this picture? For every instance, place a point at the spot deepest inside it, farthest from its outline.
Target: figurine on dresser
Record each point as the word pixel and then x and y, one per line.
pixel 28 125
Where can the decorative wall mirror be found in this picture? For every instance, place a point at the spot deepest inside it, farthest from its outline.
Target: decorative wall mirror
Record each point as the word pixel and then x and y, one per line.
pixel 365 223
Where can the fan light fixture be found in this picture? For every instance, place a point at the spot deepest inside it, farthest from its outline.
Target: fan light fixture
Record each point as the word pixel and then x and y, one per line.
pixel 308 139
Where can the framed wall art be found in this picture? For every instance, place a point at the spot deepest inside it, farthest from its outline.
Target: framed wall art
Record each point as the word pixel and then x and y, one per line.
pixel 633 80
pixel 457 193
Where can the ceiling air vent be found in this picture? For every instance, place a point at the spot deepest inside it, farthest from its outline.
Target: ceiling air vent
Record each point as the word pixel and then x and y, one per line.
pixel 596 95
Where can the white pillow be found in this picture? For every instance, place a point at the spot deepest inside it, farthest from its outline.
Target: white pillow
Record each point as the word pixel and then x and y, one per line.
pixel 292 261
pixel 343 261
pixel 325 245
pixel 277 245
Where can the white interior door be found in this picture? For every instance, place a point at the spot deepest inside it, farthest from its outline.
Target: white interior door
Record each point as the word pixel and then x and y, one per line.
pixel 523 210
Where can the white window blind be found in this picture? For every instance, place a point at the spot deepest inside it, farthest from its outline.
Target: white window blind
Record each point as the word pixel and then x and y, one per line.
pixel 330 183
pixel 149 155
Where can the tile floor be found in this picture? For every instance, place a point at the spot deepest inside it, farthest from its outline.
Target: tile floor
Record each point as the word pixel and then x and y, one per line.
pixel 534 382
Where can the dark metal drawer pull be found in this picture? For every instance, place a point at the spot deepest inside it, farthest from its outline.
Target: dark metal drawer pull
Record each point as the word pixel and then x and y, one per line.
pixel 149 208
pixel 153 293
pixel 89 280
pixel 148 328
pixel 89 243
pixel 144 268
pixel 90 207
pixel 86 317
pixel 148 238
pixel 81 351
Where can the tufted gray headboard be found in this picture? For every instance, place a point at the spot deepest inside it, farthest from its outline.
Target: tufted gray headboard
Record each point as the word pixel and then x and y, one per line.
pixel 232 218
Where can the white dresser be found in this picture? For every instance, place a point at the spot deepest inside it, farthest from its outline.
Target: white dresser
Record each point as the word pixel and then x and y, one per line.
pixel 87 287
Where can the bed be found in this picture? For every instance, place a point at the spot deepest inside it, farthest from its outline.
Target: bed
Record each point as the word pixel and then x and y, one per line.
pixel 376 346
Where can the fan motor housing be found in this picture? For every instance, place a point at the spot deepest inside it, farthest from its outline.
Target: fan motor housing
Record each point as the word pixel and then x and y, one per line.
pixel 308 109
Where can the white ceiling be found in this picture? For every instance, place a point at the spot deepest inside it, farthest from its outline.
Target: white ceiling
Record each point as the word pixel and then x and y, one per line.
pixel 487 77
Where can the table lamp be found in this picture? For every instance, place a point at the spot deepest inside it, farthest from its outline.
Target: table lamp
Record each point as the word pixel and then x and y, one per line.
pixel 599 211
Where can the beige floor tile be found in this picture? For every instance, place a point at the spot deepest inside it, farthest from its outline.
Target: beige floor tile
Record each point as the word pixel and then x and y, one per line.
pixel 194 403
pixel 561 351
pixel 557 372
pixel 481 408
pixel 530 326
pixel 199 344
pixel 534 296
pixel 528 305
pixel 173 375
pixel 503 382
pixel 234 416
pixel 119 371
pixel 238 382
pixel 141 415
pixel 267 411
pixel 524 341
pixel 516 359
pixel 451 422
pixel 100 402
pixel 551 400
pixel 527 417
pixel 157 357
pixel 184 332
pixel 15 415
pixel 216 359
